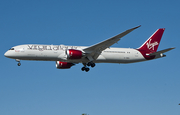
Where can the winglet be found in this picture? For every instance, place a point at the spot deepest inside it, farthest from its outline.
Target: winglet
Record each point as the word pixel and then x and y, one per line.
pixel 124 33
pixel 138 26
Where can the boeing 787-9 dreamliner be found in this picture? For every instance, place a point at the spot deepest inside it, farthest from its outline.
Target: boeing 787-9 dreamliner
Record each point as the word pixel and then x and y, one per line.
pixel 67 56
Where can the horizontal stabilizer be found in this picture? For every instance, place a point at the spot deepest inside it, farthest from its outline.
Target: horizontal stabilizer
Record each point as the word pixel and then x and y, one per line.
pixel 160 52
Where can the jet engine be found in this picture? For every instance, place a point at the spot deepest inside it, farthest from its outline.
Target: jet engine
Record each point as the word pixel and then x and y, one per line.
pixel 63 65
pixel 74 54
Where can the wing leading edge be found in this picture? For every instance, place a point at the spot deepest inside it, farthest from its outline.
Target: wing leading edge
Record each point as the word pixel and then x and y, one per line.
pixel 94 51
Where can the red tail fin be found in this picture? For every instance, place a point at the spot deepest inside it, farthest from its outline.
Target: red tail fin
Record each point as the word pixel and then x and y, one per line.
pixel 151 45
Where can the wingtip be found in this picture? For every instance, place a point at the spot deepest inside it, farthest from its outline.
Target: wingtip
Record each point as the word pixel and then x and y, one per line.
pixel 138 26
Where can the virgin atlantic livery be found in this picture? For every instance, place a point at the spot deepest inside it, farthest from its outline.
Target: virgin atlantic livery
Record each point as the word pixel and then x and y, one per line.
pixel 67 56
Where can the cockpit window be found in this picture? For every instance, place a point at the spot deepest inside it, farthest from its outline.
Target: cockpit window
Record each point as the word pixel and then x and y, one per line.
pixel 11 49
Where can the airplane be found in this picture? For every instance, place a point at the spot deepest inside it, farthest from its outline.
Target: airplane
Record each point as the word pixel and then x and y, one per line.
pixel 67 56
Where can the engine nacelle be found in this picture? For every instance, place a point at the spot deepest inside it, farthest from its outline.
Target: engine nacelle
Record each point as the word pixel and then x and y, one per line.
pixel 63 65
pixel 74 54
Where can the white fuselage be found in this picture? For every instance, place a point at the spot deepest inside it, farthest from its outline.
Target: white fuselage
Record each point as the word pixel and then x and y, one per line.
pixel 57 53
pixel 67 56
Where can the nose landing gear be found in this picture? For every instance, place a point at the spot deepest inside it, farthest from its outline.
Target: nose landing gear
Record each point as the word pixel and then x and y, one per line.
pixel 18 62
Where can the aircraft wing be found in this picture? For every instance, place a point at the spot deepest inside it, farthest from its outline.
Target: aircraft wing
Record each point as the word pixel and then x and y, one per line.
pixel 94 51
pixel 160 52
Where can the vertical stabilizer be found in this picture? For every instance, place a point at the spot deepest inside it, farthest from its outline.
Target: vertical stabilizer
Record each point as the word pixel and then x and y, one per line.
pixel 151 45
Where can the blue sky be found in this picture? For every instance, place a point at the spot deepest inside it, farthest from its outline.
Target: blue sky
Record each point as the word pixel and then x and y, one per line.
pixel 37 87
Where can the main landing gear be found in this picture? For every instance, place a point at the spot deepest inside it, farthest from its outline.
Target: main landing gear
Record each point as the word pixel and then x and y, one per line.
pixel 18 62
pixel 85 68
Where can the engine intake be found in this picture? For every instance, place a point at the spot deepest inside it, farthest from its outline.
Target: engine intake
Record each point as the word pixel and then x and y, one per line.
pixel 63 65
pixel 74 54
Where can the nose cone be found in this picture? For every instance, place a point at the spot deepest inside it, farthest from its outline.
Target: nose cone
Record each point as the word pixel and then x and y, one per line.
pixel 7 54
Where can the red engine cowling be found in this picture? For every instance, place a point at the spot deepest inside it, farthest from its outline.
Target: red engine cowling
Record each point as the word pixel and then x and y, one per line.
pixel 74 54
pixel 63 65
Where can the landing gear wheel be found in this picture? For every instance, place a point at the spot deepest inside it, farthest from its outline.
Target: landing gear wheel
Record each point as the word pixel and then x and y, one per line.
pixel 87 69
pixel 83 68
pixel 19 64
pixel 18 60
pixel 89 64
pixel 93 65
